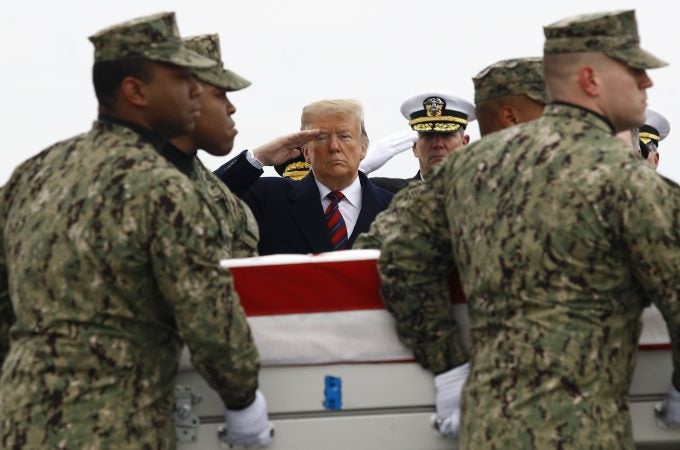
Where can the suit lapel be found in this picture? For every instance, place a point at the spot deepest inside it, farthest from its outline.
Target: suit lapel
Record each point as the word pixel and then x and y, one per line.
pixel 305 209
pixel 369 208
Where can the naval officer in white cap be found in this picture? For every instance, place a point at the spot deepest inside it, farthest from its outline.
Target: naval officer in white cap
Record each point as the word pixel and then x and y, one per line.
pixel 440 119
pixel 655 130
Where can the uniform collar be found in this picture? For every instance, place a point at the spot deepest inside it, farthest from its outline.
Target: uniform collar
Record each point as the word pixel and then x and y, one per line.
pixel 565 109
pixel 179 159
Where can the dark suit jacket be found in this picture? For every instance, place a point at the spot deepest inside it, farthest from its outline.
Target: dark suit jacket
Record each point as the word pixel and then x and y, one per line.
pixel 394 185
pixel 289 213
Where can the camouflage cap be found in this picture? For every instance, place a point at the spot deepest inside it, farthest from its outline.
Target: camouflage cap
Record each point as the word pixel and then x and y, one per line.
pixel 613 33
pixel 155 38
pixel 518 76
pixel 208 45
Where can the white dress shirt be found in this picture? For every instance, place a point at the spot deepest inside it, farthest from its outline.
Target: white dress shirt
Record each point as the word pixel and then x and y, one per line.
pixel 256 163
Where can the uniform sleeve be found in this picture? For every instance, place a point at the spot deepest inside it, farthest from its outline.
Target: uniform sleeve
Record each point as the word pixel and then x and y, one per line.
pixel 385 222
pixel 415 263
pixel 6 312
pixel 651 230
pixel 373 238
pixel 246 245
pixel 186 247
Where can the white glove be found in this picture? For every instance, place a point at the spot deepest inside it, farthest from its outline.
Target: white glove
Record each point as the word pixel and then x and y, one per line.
pixel 383 150
pixel 249 426
pixel 668 411
pixel 449 387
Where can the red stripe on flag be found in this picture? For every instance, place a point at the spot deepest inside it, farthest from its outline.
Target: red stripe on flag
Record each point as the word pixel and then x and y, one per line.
pixel 650 347
pixel 314 287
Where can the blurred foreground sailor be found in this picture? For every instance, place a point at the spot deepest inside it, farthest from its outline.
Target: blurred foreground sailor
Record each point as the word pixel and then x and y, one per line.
pixel 214 133
pixel 561 238
pixel 507 92
pixel 109 264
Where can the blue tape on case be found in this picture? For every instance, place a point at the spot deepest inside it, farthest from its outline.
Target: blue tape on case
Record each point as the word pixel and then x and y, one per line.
pixel 332 392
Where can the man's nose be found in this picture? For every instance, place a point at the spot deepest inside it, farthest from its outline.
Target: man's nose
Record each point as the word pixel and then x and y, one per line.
pixel 438 141
pixel 333 142
pixel 231 109
pixel 645 82
pixel 195 89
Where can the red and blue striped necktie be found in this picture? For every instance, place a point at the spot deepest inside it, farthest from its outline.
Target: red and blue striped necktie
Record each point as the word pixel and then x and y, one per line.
pixel 336 224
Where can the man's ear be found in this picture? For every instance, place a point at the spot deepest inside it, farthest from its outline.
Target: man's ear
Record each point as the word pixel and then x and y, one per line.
pixel 305 153
pixel 466 139
pixel 589 81
pixel 507 116
pixel 414 150
pixel 133 91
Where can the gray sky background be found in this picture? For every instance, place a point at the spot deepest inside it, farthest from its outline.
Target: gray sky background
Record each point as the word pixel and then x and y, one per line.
pixel 298 51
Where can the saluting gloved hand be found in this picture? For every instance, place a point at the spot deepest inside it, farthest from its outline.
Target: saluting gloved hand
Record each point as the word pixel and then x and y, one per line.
pixel 449 386
pixel 668 411
pixel 383 150
pixel 249 426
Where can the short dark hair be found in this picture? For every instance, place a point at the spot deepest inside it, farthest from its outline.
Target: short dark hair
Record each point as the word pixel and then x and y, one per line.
pixel 107 76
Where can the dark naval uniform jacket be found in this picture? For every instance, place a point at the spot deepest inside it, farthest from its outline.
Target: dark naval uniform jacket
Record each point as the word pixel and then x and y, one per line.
pixel 289 213
pixel 394 185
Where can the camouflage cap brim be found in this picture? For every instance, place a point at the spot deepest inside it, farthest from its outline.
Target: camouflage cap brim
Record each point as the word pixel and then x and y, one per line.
pixel 222 78
pixel 178 55
pixel 154 37
pixel 613 33
pixel 541 97
pixel 637 58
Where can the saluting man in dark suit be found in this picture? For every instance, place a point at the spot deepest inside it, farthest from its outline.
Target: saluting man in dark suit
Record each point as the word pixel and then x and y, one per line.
pixel 327 209
pixel 440 119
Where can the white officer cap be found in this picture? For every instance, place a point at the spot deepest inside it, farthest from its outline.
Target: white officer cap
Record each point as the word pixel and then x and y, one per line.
pixel 438 111
pixel 656 127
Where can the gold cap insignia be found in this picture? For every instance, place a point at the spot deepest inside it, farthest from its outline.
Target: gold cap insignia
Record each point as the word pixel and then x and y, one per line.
pixel 434 106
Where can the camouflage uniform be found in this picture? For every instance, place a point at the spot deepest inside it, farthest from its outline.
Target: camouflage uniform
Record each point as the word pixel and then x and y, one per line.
pixel 561 236
pixel 387 220
pixel 224 203
pixel 110 252
pixel 6 312
pixel 241 230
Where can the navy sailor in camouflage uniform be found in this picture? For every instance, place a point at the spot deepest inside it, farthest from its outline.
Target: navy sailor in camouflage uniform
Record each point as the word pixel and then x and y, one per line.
pixel 214 133
pixel 109 264
pixel 507 93
pixel 561 236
